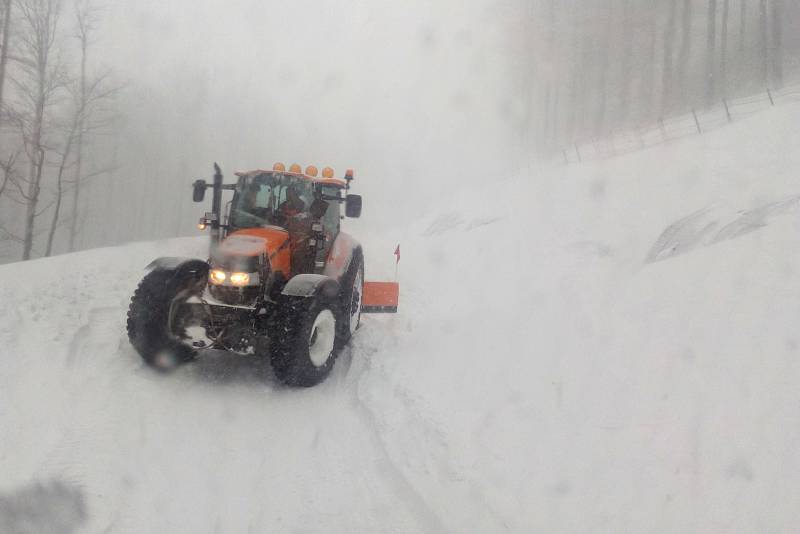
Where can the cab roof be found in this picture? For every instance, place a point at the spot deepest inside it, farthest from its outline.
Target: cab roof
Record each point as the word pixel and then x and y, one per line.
pixel 314 179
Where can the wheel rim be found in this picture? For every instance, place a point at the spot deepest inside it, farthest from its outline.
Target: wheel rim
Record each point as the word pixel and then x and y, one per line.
pixel 321 338
pixel 355 303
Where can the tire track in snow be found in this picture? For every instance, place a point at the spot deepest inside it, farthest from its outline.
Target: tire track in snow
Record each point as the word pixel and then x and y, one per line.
pixel 357 366
pixel 96 315
pixel 458 488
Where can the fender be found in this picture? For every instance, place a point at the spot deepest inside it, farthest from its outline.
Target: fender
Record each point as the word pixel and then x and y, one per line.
pixel 181 266
pixel 340 256
pixel 310 285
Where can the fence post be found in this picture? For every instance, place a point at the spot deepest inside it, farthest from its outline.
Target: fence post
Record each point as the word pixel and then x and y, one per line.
pixel 663 129
pixel 771 100
pixel 578 152
pixel 727 109
pixel 696 122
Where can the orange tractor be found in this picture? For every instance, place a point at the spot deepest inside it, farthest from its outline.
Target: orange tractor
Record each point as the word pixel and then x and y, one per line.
pixel 281 281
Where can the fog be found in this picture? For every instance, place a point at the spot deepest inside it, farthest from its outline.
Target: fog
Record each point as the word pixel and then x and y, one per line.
pixel 416 97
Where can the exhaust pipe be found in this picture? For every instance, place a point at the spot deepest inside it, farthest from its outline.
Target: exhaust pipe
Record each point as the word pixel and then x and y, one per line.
pixel 216 206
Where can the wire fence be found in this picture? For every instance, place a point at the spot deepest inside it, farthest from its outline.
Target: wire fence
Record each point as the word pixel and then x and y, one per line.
pixel 668 129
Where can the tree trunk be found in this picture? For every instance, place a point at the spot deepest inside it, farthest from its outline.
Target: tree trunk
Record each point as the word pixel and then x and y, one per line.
pixel 59 190
pixel 36 167
pixel 764 44
pixel 602 85
pixel 777 43
pixel 686 48
pixel 648 83
pixel 742 24
pixel 626 77
pixel 4 50
pixel 76 192
pixel 669 45
pixel 711 52
pixel 41 19
pixel 723 45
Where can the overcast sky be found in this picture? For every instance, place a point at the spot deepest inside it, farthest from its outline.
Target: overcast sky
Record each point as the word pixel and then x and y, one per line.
pixel 404 92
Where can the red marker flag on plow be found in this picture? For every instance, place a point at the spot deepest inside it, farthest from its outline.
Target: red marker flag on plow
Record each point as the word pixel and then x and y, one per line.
pixel 397 253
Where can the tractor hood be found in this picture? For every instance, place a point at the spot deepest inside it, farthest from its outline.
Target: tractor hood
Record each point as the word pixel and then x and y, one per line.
pixel 246 250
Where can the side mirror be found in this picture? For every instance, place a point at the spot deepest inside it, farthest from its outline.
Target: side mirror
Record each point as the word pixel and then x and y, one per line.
pixel 199 192
pixel 352 206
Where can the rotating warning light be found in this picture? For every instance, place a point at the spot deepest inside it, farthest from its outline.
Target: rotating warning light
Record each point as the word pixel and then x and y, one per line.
pixel 295 167
pixel 348 175
pixel 327 172
pixel 311 171
pixel 280 167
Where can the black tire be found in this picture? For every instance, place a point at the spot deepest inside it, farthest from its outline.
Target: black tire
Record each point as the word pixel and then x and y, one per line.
pixel 148 317
pixel 349 298
pixel 298 344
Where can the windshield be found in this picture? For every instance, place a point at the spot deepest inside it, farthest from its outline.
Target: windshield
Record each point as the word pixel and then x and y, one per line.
pixel 269 199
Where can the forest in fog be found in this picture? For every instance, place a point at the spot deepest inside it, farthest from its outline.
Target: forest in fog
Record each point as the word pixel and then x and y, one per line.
pixel 611 65
pixel 108 111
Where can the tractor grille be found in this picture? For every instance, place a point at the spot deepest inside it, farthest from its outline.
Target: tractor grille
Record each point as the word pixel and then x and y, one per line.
pixel 237 296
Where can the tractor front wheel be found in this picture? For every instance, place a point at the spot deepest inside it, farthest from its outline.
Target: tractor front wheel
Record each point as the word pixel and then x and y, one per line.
pixel 303 347
pixel 151 314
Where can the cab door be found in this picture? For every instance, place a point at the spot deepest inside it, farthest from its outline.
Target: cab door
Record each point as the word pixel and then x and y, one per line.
pixel 331 222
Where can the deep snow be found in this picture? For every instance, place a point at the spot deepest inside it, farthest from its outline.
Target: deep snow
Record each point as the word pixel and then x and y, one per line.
pixel 609 347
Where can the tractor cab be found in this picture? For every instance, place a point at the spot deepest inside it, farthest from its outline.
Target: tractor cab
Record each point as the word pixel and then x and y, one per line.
pixel 264 199
pixel 278 204
pixel 277 225
pixel 308 210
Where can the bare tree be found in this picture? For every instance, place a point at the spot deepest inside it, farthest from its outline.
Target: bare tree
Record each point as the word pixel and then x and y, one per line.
pixel 85 17
pixel 602 68
pixel 711 52
pixel 669 45
pixel 6 10
pixel 63 160
pixel 648 84
pixel 686 46
pixel 87 98
pixel 777 42
pixel 7 168
pixel 764 40
pixel 723 46
pixel 742 24
pixel 43 77
pixel 625 64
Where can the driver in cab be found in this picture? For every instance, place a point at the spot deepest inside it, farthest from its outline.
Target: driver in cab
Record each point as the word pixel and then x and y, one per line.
pixel 293 205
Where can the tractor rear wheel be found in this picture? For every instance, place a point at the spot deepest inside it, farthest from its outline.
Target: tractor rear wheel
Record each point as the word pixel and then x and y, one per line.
pixel 352 289
pixel 150 315
pixel 303 346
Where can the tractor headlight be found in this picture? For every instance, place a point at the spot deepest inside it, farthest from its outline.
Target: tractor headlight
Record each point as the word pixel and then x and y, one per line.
pixel 240 279
pixel 217 277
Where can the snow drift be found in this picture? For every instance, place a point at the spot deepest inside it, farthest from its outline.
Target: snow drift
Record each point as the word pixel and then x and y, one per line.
pixel 601 348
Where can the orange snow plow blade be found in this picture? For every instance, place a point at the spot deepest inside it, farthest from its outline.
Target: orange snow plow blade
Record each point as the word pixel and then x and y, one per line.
pixel 380 297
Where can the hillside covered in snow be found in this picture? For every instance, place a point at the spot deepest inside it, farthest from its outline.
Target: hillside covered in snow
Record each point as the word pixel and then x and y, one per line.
pixel 608 347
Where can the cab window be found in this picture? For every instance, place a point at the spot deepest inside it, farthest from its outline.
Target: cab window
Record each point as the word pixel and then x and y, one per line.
pixel 331 219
